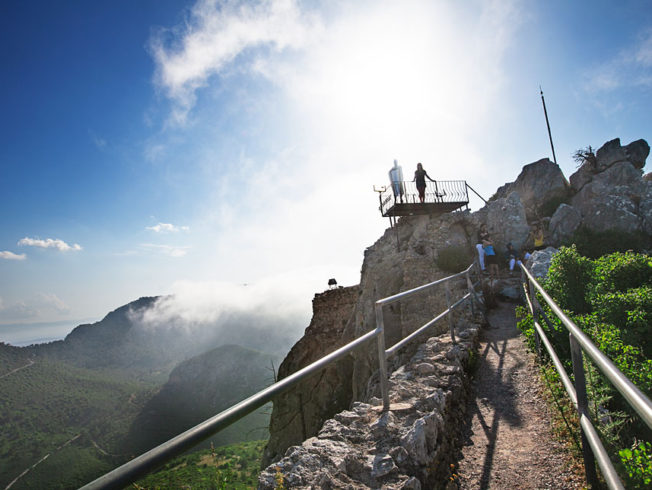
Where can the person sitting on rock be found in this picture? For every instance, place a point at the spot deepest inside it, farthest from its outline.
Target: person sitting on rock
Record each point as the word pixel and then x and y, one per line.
pixel 538 238
pixel 512 257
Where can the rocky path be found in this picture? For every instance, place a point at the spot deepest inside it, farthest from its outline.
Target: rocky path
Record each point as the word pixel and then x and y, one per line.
pixel 509 442
pixel 29 363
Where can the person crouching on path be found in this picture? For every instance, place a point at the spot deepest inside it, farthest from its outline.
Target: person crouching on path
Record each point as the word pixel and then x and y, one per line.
pixel 420 178
pixel 512 255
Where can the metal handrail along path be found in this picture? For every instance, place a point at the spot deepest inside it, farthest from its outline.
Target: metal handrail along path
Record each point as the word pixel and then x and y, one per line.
pixel 383 353
pixel 592 446
pixel 156 457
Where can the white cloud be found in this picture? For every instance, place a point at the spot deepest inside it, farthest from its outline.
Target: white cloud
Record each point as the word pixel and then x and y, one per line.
pixel 16 311
pixel 199 303
pixel 643 54
pixel 38 306
pixel 215 34
pixel 52 302
pixel 167 228
pixel 50 243
pixel 169 250
pixel 415 80
pixel 97 140
pixel 12 256
pixel 631 67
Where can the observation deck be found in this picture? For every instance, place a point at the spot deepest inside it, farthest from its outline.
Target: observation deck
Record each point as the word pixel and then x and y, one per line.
pixel 442 196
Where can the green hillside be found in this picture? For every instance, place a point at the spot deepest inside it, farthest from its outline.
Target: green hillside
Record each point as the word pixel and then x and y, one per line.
pixel 202 387
pixel 229 467
pixel 76 417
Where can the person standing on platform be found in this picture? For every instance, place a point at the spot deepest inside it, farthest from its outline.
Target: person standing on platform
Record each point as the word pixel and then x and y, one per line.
pixel 420 178
pixel 396 179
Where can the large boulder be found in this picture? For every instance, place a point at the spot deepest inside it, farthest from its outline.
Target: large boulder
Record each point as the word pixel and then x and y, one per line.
pixel 537 184
pixel 637 152
pixel 609 153
pixel 563 224
pixel 507 222
pixel 539 262
pixel 615 198
pixel 583 176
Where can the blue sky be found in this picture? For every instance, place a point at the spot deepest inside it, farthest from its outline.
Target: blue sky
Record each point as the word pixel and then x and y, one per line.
pixel 157 147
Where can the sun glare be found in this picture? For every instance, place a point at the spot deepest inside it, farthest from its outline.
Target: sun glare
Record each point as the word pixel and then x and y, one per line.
pixel 390 78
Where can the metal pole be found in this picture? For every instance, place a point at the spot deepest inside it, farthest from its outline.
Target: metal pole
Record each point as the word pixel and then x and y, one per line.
pixel 382 361
pixel 469 285
pixel 451 326
pixel 536 311
pixel 545 112
pixel 582 409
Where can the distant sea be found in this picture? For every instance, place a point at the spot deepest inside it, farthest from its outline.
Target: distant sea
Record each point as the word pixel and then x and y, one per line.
pixel 22 334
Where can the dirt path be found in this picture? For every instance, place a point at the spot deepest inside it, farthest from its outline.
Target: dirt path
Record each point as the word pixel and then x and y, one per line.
pixel 29 363
pixel 509 442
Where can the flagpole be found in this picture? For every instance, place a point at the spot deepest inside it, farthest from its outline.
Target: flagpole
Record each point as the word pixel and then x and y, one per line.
pixel 545 112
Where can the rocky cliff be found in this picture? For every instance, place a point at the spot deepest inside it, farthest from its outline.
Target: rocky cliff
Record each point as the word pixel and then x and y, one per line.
pixel 608 191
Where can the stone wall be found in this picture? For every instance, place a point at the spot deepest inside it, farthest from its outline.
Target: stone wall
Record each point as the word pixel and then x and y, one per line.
pixel 409 447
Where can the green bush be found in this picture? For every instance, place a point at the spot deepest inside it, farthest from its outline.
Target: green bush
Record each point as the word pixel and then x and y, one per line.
pixel 454 259
pixel 620 272
pixel 631 312
pixel 568 279
pixel 595 244
pixel 636 462
pixel 610 299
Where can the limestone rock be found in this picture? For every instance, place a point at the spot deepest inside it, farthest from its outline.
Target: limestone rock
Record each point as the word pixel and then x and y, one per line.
pixel 538 183
pixel 637 152
pixel 409 447
pixel 614 199
pixel 506 221
pixel 563 224
pixel 582 177
pixel 300 413
pixel 608 154
pixel 539 262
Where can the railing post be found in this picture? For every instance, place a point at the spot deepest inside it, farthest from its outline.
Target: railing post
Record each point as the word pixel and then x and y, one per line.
pixel 582 408
pixel 382 360
pixel 469 285
pixel 450 313
pixel 536 306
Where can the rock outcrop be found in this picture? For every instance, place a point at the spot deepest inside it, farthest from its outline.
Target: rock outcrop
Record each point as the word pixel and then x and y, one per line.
pixel 300 413
pixel 537 184
pixel 611 192
pixel 605 193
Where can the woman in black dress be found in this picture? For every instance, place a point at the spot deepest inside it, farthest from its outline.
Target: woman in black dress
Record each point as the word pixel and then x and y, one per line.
pixel 420 178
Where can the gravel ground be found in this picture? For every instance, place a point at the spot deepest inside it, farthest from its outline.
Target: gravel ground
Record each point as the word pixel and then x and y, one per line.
pixel 509 443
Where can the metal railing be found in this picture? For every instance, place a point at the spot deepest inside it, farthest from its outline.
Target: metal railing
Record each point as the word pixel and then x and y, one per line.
pixel 156 457
pixel 439 191
pixel 592 447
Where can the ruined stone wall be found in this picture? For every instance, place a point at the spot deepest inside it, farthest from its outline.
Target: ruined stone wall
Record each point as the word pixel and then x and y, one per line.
pixel 409 447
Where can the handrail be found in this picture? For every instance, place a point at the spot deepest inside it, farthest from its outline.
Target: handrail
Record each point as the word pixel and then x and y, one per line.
pixel 152 459
pixel 385 353
pixel 580 342
pixel 437 191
